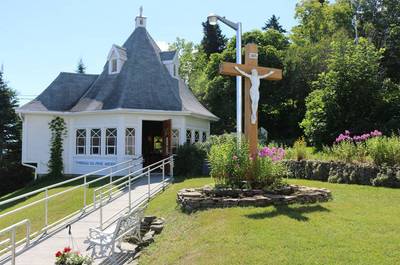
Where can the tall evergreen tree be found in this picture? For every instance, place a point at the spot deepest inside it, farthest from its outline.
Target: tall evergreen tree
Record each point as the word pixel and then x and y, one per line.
pixel 10 125
pixel 213 40
pixel 81 68
pixel 273 23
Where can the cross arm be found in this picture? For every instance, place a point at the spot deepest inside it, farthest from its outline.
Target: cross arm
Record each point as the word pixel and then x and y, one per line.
pixel 229 69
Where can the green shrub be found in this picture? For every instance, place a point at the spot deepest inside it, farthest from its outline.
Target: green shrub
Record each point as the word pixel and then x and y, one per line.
pixel 189 160
pixel 229 164
pixel 344 151
pixel 384 150
pixel 232 167
pixel 300 149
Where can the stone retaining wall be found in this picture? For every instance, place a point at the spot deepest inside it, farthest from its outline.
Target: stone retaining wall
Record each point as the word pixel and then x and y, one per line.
pixel 202 198
pixel 339 172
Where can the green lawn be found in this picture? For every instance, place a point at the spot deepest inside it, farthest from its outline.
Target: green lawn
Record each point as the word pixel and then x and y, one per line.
pixel 360 226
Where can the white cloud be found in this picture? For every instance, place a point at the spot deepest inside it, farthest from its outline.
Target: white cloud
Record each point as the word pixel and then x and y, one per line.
pixel 163 45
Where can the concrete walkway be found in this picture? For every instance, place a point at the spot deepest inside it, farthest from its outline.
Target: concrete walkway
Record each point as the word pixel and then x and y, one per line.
pixel 42 250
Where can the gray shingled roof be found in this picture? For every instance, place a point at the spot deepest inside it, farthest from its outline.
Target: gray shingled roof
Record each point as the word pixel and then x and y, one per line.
pixel 167 56
pixel 143 83
pixel 62 94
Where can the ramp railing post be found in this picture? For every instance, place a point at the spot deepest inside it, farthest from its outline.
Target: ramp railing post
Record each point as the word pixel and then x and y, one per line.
pixel 129 190
pixel 84 193
pixel 148 184
pixel 46 208
pixel 13 246
pixel 163 174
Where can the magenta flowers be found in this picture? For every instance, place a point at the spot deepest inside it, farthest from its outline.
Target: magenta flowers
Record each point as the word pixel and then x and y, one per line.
pixel 357 138
pixel 274 153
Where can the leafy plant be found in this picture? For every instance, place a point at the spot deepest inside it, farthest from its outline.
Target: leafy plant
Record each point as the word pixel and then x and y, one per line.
pixel 189 160
pixel 300 149
pixel 384 150
pixel 58 132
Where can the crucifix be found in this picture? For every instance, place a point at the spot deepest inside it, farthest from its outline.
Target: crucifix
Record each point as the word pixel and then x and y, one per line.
pixel 253 74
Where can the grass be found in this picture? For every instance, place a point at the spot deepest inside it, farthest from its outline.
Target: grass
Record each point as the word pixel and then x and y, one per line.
pixel 361 225
pixel 58 207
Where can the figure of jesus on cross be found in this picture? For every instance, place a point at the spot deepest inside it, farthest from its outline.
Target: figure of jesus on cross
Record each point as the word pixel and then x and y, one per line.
pixel 254 74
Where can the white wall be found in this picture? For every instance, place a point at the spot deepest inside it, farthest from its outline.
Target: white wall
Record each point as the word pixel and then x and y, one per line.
pixel 36 138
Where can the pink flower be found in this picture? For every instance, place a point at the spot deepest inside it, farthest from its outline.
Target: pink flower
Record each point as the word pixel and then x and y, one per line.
pixel 234 157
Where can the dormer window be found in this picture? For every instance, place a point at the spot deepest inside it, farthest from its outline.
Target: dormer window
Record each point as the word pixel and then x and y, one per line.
pixel 116 59
pixel 114 65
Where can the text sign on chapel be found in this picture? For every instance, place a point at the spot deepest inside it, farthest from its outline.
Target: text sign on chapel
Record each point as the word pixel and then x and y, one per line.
pixel 253 74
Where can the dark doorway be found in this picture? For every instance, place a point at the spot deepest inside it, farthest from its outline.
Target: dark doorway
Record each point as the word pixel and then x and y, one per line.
pixel 156 140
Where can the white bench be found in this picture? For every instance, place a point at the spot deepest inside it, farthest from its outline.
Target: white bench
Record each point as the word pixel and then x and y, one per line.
pixel 128 224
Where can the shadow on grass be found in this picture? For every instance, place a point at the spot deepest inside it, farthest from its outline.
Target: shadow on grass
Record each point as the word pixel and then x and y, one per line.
pixel 296 213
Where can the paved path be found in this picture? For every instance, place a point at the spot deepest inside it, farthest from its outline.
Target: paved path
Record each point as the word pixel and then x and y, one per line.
pixel 42 250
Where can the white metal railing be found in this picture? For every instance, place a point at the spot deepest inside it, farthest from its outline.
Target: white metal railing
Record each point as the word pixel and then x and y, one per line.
pixel 13 237
pixel 110 172
pixel 117 186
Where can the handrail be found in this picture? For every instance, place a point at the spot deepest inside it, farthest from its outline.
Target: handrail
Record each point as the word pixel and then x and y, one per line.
pixel 63 182
pixel 12 239
pixel 126 180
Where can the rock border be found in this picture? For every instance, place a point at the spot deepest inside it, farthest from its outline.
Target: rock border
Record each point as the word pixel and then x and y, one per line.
pixel 194 199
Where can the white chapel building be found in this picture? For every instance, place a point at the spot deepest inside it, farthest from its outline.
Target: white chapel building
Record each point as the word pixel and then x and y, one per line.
pixel 137 107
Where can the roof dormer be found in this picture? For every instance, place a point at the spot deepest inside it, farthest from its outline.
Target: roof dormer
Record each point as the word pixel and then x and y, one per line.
pixel 116 59
pixel 141 20
pixel 170 60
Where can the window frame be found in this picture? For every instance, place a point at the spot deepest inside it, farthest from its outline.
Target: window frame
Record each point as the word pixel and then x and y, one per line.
pixel 175 136
pixel 191 136
pixel 204 136
pixel 196 136
pixel 114 63
pixel 111 133
pixel 80 136
pixel 99 136
pixel 133 145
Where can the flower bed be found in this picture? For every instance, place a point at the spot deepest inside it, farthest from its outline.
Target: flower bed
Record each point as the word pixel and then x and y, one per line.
pixel 207 197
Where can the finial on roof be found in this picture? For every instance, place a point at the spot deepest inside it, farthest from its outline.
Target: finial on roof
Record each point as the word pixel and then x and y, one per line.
pixel 140 20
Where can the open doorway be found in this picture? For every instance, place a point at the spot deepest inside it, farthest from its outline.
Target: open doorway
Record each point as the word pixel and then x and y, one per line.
pixel 156 141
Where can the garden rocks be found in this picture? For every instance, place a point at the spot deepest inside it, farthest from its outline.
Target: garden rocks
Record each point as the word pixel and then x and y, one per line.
pixel 202 198
pixel 150 226
pixel 340 172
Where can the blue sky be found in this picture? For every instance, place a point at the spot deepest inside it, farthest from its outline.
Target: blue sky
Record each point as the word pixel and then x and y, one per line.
pixel 39 39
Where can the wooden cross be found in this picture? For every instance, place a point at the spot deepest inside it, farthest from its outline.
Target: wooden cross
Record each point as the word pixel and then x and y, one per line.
pixel 251 62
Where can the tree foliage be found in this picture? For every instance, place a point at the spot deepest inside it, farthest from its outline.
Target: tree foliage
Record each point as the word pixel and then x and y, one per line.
pixel 273 23
pixel 58 130
pixel 213 40
pixel 81 68
pixel 12 174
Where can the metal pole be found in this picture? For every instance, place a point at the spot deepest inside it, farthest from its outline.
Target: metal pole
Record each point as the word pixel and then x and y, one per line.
pixel 239 84
pixel 163 173
pixel 130 199
pixel 28 233
pixel 171 168
pixel 94 200
pixel 84 193
pixel 46 202
pixel 101 211
pixel 111 172
pixel 148 183
pixel 13 246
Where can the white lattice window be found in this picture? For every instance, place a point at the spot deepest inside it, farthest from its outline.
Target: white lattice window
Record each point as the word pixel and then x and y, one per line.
pixel 129 141
pixel 111 141
pixel 114 65
pixel 196 136
pixel 95 142
pixel 188 136
pixel 204 137
pixel 175 140
pixel 80 142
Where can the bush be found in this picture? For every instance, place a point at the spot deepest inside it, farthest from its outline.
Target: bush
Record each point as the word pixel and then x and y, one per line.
pixel 300 149
pixel 233 167
pixel 384 150
pixel 13 177
pixel 189 160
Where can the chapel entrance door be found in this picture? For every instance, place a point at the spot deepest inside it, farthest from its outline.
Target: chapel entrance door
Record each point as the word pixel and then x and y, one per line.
pixel 156 141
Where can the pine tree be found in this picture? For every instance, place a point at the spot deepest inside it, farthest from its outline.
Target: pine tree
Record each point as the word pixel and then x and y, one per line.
pixel 273 23
pixel 81 68
pixel 10 125
pixel 213 40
